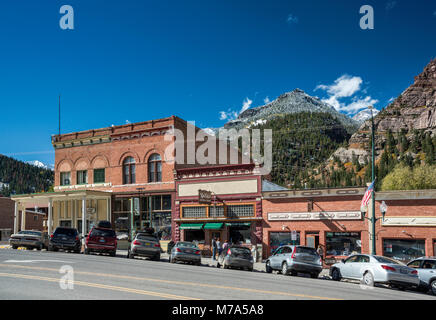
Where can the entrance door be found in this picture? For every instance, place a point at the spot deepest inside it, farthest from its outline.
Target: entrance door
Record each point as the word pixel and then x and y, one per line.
pixel 312 240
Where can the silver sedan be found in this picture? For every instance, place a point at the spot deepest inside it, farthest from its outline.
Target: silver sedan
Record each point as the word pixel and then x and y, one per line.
pixel 372 269
pixel 185 251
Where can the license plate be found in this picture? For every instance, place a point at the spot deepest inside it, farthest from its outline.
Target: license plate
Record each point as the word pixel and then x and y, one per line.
pixel 147 244
pixel 64 238
pixel 404 271
pixel 102 240
pixel 188 251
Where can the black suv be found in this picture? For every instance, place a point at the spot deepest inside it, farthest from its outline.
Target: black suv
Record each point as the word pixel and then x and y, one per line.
pixel 66 239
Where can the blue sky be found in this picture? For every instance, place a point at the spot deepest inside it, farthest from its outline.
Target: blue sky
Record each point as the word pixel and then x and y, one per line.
pixel 203 61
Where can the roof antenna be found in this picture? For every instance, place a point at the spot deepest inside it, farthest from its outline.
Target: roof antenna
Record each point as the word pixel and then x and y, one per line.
pixel 59 114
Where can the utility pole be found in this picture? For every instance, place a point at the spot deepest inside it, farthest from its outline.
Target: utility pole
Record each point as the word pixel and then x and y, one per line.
pixel 373 219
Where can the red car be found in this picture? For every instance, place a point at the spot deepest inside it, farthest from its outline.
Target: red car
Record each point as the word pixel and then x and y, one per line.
pixel 101 240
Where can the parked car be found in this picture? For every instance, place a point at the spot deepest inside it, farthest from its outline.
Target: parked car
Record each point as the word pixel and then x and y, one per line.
pixel 185 251
pixel 29 239
pixel 145 244
pixel 236 257
pixel 426 267
pixel 294 259
pixel 372 269
pixel 101 240
pixel 104 224
pixel 66 239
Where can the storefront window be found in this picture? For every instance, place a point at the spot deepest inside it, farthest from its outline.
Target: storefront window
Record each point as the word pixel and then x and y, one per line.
pixel 278 239
pixel 162 224
pixel 239 233
pixel 403 249
pixel 343 243
pixel 196 236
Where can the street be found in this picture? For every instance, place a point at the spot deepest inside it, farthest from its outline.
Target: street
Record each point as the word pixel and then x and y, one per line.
pixel 36 275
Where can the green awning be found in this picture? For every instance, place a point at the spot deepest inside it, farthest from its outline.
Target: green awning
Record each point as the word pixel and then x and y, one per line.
pixel 191 226
pixel 213 226
pixel 238 224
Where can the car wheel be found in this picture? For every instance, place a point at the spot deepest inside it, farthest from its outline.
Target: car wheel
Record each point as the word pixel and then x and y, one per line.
pixel 225 266
pixel 250 269
pixel 285 269
pixel 198 263
pixel 433 287
pixel 40 247
pixel 86 251
pixel 156 258
pixel 336 275
pixel 130 255
pixel 218 265
pixel 113 253
pixel 368 279
pixel 14 247
pixel 268 268
pixel 314 275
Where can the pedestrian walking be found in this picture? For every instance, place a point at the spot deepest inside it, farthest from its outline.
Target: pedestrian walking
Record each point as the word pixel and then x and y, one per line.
pixel 320 252
pixel 225 245
pixel 219 247
pixel 214 248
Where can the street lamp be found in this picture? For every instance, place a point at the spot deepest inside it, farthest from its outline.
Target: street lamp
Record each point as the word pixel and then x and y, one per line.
pixel 373 219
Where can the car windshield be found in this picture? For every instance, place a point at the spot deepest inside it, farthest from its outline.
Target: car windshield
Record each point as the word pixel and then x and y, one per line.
pixel 186 244
pixel 33 233
pixel 146 237
pixel 306 250
pixel 65 231
pixel 96 232
pixel 385 260
pixel 239 250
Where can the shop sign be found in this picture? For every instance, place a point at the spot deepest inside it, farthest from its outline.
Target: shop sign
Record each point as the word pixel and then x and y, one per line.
pixel 325 215
pixel 293 235
pixel 204 197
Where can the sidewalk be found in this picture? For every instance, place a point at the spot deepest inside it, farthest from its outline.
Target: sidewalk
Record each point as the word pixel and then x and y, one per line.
pixel 258 266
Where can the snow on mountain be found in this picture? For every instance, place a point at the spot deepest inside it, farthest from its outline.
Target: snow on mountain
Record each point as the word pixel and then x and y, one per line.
pixel 39 164
pixel 291 102
pixel 364 115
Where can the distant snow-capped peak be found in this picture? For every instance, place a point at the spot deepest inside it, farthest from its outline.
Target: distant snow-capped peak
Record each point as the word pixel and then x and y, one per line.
pixel 364 115
pixel 39 164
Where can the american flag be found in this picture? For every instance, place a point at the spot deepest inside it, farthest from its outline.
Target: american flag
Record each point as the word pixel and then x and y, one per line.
pixel 367 195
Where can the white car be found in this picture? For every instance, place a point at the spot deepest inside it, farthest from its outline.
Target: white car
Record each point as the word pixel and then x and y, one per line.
pixel 371 269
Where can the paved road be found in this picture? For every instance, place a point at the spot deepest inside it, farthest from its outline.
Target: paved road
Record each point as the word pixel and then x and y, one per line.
pixel 36 275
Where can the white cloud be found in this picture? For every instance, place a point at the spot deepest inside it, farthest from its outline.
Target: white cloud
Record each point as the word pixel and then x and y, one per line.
pixel 266 100
pixel 292 19
pixel 358 104
pixel 346 86
pixel 246 104
pixel 391 99
pixel 231 114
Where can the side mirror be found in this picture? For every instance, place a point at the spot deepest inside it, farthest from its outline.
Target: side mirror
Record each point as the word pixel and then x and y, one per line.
pixel 343 260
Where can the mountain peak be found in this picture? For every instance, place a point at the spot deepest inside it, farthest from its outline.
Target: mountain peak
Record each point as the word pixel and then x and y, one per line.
pixel 290 102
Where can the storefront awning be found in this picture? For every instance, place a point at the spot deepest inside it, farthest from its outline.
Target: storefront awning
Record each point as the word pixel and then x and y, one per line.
pixel 213 226
pixel 191 226
pixel 238 224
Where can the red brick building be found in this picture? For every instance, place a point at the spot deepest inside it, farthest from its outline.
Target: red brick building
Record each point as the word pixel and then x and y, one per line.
pixel 235 210
pixel 34 218
pixel 332 218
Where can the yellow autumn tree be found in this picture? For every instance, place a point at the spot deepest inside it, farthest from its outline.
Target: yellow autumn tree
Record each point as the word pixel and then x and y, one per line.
pixel 405 178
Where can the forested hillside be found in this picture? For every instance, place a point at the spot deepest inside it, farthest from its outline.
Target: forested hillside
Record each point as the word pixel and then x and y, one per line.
pixel 23 177
pixel 301 142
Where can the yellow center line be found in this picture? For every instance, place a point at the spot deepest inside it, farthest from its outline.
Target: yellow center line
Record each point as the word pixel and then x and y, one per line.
pixel 183 283
pixel 100 286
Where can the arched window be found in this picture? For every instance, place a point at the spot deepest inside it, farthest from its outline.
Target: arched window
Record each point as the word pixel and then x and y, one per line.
pixel 129 171
pixel 154 168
